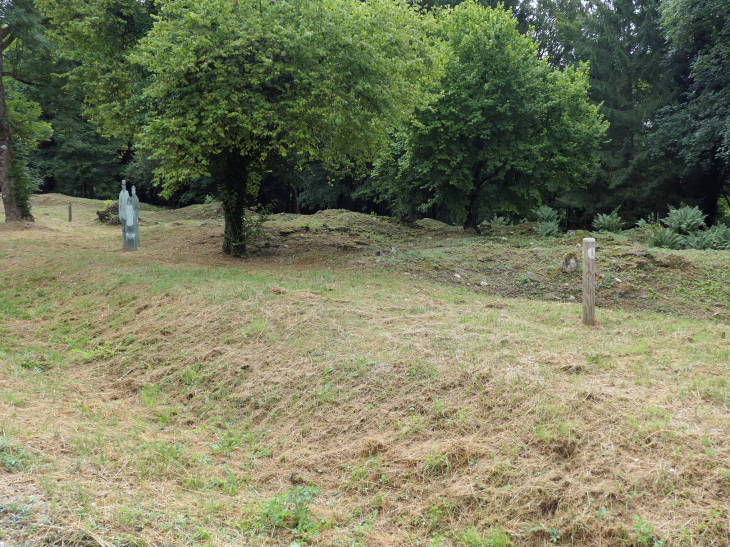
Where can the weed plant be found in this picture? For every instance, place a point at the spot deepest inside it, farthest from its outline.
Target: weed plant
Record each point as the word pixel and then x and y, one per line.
pixel 291 510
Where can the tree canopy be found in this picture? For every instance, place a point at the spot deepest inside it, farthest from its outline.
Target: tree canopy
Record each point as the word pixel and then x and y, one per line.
pixel 23 52
pixel 507 130
pixel 458 110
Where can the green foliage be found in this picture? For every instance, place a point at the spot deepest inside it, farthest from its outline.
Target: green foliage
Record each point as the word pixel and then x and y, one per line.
pixel 547 221
pixel 24 115
pixel 624 44
pixel 436 465
pixel 547 229
pixel 720 234
pixel 291 510
pixel 545 214
pixel 209 199
pixel 651 222
pixel 666 238
pixel 495 538
pixel 645 535
pixel 98 38
pixel 28 130
pixel 14 458
pixel 684 220
pixel 608 223
pixel 506 129
pixel 694 130
pixel 699 240
pixel 496 220
pixel 234 86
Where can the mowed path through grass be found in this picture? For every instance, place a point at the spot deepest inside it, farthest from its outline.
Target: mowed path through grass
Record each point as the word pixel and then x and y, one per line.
pixel 174 396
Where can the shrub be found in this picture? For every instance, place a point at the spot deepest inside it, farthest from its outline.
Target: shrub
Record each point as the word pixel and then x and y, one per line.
pixel 545 214
pixel 608 223
pixel 666 238
pixel 684 220
pixel 547 221
pixel 699 240
pixel 547 229
pixel 720 237
pixel 651 222
pixel 498 221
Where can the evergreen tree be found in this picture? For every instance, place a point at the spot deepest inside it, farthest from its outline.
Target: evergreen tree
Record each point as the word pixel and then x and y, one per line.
pixel 695 130
pixel 555 25
pixel 623 42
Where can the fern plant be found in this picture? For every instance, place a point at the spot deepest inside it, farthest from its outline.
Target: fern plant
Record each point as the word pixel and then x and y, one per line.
pixel 498 221
pixel 545 214
pixel 608 223
pixel 666 238
pixel 699 240
pixel 684 220
pixel 720 237
pixel 547 229
pixel 547 221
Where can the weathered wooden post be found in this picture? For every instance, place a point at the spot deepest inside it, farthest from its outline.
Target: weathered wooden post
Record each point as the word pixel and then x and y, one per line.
pixel 589 281
pixel 69 211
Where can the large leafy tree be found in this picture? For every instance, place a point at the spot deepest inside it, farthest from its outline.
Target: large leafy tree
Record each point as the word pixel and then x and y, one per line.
pixel 507 131
pixel 232 89
pixel 98 37
pixel 23 50
pixel 696 128
pixel 236 85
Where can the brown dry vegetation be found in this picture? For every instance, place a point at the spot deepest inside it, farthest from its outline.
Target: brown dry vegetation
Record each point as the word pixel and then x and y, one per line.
pixel 168 396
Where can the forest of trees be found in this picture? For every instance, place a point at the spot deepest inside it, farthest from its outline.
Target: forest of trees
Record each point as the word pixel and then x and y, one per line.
pixel 455 112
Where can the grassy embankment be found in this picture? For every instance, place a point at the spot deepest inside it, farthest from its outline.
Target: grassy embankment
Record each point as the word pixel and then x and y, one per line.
pixel 344 387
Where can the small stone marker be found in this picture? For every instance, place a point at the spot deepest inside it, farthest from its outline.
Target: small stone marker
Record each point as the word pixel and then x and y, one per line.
pixel 570 264
pixel 589 281
pixel 69 211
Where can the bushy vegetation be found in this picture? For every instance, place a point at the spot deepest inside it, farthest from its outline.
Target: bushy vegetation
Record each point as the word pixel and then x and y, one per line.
pixel 413 138
pixel 547 221
pixel 684 220
pixel 685 229
pixel 610 222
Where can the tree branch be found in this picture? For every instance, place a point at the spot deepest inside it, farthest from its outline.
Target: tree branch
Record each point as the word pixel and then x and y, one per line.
pixel 7 40
pixel 19 79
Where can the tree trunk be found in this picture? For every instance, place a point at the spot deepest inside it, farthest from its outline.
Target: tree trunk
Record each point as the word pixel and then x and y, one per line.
pixel 8 181
pixel 296 201
pixel 233 191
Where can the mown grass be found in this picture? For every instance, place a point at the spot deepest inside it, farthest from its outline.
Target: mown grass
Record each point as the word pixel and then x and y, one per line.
pixel 337 401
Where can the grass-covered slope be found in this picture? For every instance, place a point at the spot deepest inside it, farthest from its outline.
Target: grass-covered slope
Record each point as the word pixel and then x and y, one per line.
pixel 344 387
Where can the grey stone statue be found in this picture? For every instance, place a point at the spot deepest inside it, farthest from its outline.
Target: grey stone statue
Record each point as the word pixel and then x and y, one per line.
pixel 123 201
pixel 135 207
pixel 131 236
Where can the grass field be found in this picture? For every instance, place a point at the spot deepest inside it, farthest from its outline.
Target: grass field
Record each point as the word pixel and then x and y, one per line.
pixel 356 382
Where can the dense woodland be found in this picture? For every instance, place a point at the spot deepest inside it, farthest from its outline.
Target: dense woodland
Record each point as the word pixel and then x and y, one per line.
pixel 461 113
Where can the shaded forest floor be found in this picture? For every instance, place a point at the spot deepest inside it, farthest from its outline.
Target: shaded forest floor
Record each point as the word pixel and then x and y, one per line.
pixel 356 382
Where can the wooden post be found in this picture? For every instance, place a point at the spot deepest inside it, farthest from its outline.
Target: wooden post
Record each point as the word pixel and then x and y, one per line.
pixel 69 211
pixel 589 281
